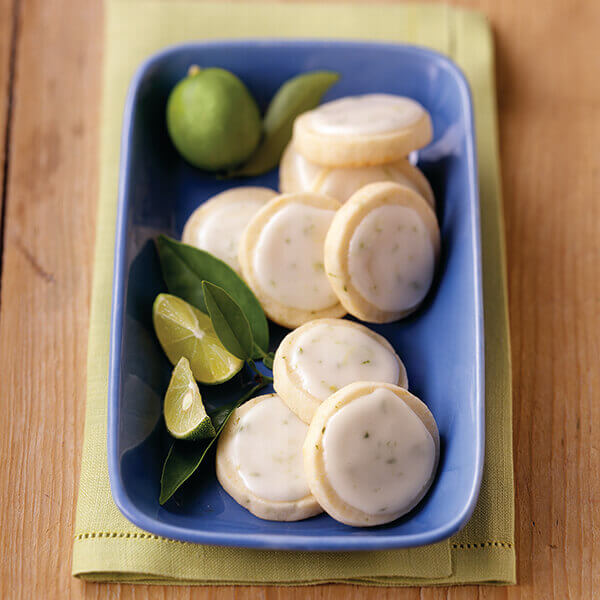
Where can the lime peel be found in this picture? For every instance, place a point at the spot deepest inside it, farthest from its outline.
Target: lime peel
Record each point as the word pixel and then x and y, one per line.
pixel 185 415
pixel 212 119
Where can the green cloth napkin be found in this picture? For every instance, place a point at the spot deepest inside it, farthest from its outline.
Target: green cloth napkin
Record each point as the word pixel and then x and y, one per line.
pixel 107 547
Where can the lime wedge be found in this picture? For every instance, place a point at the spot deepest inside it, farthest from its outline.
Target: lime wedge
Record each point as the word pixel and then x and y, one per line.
pixel 185 414
pixel 183 330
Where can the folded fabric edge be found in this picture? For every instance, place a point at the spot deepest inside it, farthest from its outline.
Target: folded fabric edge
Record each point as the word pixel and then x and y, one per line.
pixel 114 555
pixel 489 563
pixel 124 579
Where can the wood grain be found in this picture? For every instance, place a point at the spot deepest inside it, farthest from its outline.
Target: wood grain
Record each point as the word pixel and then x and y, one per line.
pixel 48 243
pixel 548 60
pixel 7 37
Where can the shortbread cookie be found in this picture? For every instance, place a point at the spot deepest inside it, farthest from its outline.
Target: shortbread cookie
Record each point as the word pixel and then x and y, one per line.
pixel 297 174
pixel 260 463
pixel 371 453
pixel 217 225
pixel 362 130
pixel 321 357
pixel 281 255
pixel 381 252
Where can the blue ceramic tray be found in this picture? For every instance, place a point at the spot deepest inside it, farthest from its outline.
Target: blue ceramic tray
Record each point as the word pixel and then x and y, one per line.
pixel 441 345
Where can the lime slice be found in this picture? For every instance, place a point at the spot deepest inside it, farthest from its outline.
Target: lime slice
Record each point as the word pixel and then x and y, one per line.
pixel 183 330
pixel 185 414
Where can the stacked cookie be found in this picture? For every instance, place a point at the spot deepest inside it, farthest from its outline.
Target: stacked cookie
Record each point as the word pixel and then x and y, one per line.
pixel 382 247
pixel 353 231
pixel 341 434
pixel 346 144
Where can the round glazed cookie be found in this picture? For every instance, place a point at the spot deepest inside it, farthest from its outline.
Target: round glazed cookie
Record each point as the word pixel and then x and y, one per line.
pixel 321 357
pixel 371 453
pixel 297 174
pixel 217 225
pixel 260 463
pixel 381 252
pixel 281 255
pixel 362 130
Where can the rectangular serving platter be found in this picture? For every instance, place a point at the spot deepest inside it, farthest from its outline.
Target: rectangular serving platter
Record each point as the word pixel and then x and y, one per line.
pixel 441 345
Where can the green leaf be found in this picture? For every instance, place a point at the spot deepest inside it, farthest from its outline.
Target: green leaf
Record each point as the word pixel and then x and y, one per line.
pixel 229 321
pixel 220 415
pixel 268 360
pixel 184 458
pixel 295 96
pixel 184 268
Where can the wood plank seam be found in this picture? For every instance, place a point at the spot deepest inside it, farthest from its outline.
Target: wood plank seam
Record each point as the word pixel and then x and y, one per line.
pixel 14 33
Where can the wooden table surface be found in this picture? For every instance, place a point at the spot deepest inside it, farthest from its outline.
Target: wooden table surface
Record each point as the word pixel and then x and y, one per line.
pixel 548 72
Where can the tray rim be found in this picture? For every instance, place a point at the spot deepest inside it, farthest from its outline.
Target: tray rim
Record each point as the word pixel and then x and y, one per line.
pixel 286 541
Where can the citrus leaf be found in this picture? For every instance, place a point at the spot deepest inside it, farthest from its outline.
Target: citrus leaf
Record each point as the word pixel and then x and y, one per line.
pixel 184 268
pixel 268 360
pixel 295 96
pixel 229 322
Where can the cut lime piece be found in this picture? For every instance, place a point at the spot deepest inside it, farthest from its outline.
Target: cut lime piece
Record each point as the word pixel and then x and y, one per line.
pixel 185 414
pixel 183 330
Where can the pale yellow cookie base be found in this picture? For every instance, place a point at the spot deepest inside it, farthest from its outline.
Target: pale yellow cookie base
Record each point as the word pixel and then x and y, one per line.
pixel 231 196
pixel 290 180
pixel 314 464
pixel 284 315
pixel 337 244
pixel 415 175
pixel 233 484
pixel 288 384
pixel 360 150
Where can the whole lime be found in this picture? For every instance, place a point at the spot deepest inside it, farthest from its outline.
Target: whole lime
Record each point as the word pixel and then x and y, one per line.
pixel 213 120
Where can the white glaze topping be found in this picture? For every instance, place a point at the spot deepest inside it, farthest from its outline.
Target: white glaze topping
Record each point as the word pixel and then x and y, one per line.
pixel 391 258
pixel 328 357
pixel 288 259
pixel 370 114
pixel 378 453
pixel 219 233
pixel 267 451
